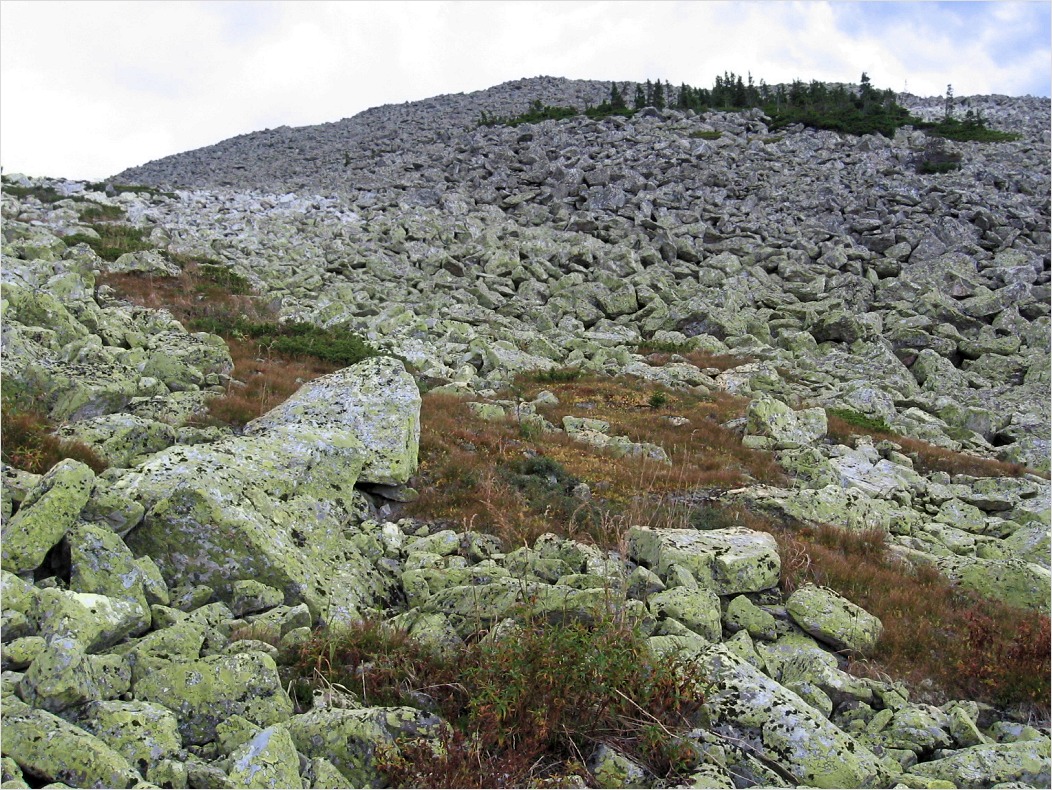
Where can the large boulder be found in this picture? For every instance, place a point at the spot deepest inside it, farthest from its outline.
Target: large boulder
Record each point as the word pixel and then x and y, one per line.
pixel 746 706
pixel 50 509
pixel 993 765
pixel 771 425
pixel 53 750
pixel 206 692
pixel 727 561
pixel 376 401
pixel 284 519
pixel 831 618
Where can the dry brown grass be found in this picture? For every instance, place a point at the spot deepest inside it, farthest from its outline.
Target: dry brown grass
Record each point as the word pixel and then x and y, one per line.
pixel 934 631
pixel 206 296
pixel 467 464
pixel 928 457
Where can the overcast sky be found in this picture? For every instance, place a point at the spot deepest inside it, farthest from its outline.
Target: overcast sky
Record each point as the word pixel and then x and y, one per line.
pixel 88 89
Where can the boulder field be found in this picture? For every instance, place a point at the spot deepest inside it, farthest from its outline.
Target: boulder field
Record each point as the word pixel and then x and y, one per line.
pixel 130 596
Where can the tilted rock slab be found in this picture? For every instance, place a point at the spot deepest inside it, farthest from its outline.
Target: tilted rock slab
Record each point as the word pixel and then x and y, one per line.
pixel 993 765
pixel 274 506
pixel 727 561
pixel 833 619
pixel 376 400
pixel 750 708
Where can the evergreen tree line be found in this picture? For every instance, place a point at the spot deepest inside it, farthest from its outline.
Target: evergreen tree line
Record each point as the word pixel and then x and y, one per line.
pixel 816 104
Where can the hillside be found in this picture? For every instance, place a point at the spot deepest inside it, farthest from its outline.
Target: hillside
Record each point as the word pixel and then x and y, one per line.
pixel 751 426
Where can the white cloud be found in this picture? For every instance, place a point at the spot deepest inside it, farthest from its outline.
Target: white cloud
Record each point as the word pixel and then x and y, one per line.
pixel 90 88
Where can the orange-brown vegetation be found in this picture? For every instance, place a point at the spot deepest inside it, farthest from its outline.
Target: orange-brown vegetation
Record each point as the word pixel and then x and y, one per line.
pixel 524 710
pixel 485 475
pixel 935 633
pixel 204 296
pixel 26 443
pixel 928 457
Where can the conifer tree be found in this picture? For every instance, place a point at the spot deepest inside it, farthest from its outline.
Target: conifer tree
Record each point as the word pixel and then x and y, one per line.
pixel 640 100
pixel 658 96
pixel 617 100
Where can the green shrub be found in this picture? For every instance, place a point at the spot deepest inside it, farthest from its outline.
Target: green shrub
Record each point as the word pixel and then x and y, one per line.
pixel 97 212
pixel 706 135
pixel 216 275
pixel 559 375
pixel 114 240
pixel 44 194
pixel 860 420
pixel 658 399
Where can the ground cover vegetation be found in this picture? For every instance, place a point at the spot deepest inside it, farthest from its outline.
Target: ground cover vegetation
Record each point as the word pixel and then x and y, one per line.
pixel 272 359
pixel 818 105
pixel 524 708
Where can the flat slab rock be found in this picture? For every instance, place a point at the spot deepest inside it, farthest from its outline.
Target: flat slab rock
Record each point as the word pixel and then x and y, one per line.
pixel 727 561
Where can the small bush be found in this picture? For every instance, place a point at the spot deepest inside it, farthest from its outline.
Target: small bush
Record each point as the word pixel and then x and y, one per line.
pixel 658 399
pixel 27 443
pixel 859 420
pixel 114 240
pixel 706 135
pixel 523 708
pixel 97 212
pixel 44 194
pixel 557 375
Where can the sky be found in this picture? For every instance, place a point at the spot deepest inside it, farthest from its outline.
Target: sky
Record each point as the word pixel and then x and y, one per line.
pixel 89 88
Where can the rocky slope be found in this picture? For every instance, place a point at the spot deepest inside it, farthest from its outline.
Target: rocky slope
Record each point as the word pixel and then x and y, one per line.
pixel 475 253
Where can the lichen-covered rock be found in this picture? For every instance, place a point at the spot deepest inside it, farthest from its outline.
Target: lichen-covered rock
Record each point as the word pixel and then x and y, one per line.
pixel 95 621
pixel 727 561
pixel 268 759
pixel 55 751
pixel 993 765
pixel 181 641
pixel 21 601
pixel 830 617
pixel 213 519
pixel 746 705
pixel 50 509
pixel 203 693
pixel 376 401
pixel 101 563
pixel 141 732
pixel 350 738
pixel 743 614
pixel 122 439
pixel 771 425
pixel 613 769
pixel 250 596
pixel 698 610
pixel 1021 584
pixel 64 676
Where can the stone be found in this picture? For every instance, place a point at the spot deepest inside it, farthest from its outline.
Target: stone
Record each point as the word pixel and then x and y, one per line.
pixel 833 619
pixel 350 739
pixel 141 732
pixel 747 705
pixel 991 765
pixel 64 676
pixel 56 751
pixel 698 610
pixel 727 561
pixel 613 769
pixel 743 614
pixel 249 596
pixel 203 693
pixel 774 426
pixel 268 759
pixel 49 511
pixel 95 621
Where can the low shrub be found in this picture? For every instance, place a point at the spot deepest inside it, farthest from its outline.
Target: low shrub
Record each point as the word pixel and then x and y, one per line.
pixel 26 443
pixel 706 135
pixel 114 240
pixel 523 708
pixel 857 420
pixel 97 212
